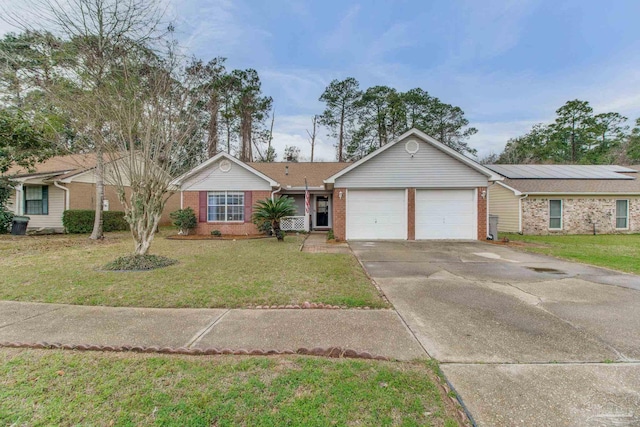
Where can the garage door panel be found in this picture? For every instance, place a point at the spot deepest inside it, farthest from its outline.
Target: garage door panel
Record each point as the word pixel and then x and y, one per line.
pixel 376 214
pixel 445 214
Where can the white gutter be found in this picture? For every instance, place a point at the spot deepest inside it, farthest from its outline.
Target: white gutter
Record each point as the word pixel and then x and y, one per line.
pixel 273 193
pixel 66 194
pixel 520 199
pixel 17 210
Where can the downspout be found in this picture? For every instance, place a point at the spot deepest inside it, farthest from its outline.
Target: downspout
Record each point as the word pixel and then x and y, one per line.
pixel 66 194
pixel 520 213
pixel 19 201
pixel 273 193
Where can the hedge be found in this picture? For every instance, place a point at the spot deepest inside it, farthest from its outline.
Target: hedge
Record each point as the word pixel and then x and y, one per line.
pixel 81 221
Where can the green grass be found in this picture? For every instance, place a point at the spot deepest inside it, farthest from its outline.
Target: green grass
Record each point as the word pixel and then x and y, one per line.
pixel 209 273
pixel 618 252
pixel 41 387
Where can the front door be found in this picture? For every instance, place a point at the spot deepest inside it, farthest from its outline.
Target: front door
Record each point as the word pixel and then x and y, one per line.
pixel 322 211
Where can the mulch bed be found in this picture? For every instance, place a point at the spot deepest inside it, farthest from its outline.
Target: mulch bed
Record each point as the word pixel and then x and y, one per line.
pixel 223 237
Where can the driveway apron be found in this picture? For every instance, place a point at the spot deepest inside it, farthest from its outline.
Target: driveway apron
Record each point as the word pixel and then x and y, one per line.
pixel 524 339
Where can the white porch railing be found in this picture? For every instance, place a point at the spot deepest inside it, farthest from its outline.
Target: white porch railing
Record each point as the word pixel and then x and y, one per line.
pixel 295 223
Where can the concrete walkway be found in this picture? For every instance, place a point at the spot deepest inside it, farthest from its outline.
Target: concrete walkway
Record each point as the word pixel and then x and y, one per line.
pixel 379 332
pixel 317 243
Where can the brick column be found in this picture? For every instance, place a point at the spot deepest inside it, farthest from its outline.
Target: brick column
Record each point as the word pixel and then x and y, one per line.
pixel 482 213
pixel 340 213
pixel 411 213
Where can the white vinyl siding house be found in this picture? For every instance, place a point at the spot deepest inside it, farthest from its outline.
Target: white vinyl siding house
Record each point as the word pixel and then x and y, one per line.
pixel 429 167
pixel 42 212
pixel 414 188
pixel 236 178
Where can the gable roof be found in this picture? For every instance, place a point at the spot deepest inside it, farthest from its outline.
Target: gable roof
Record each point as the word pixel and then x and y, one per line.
pixel 290 174
pixel 180 180
pixel 429 140
pixel 59 165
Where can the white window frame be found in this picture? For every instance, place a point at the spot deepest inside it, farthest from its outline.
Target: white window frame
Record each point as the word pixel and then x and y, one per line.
pixel 615 219
pixel 561 214
pixel 226 205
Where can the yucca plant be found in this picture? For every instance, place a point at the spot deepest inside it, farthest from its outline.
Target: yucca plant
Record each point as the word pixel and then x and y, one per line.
pixel 272 211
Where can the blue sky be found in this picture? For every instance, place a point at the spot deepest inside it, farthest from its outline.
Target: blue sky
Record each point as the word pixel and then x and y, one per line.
pixel 508 64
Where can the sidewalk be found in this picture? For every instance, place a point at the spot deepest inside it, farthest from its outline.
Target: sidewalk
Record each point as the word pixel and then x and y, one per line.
pixel 379 332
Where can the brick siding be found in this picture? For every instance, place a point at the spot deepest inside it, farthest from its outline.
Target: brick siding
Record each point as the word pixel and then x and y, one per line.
pixel 340 213
pixel 411 212
pixel 482 213
pixel 83 196
pixel 192 199
pixel 578 215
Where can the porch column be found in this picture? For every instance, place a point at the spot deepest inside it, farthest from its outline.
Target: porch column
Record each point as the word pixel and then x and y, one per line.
pixel 307 228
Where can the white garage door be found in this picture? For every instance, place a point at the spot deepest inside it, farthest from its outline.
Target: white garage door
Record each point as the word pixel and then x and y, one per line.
pixel 376 214
pixel 445 214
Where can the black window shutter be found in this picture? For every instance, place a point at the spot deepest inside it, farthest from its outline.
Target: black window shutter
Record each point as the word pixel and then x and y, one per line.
pixel 45 200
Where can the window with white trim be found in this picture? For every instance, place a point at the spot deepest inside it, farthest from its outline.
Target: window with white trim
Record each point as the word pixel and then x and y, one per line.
pixel 225 206
pixel 622 214
pixel 555 214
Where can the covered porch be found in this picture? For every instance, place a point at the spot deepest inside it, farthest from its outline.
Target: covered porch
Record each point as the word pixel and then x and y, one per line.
pixel 320 216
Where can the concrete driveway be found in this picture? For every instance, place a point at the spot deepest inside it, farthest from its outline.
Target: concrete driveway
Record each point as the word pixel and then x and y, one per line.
pixel 524 339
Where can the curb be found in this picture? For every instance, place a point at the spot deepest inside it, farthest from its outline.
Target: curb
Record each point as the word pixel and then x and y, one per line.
pixel 332 352
pixel 309 306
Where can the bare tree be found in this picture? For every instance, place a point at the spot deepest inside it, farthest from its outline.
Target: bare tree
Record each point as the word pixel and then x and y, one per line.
pixel 98 34
pixel 312 136
pixel 150 108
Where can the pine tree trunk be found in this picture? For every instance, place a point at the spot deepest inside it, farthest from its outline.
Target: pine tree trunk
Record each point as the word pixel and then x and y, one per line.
pixel 212 142
pixel 98 222
pixel 245 127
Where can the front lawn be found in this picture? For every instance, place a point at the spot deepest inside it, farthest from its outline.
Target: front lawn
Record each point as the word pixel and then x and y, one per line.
pixel 209 273
pixel 618 252
pixel 43 387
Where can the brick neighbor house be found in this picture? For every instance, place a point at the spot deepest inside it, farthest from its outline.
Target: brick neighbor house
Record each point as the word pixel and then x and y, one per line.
pixel 566 199
pixel 61 183
pixel 410 189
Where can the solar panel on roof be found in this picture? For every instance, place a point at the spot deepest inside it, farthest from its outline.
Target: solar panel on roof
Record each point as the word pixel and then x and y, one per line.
pixel 562 171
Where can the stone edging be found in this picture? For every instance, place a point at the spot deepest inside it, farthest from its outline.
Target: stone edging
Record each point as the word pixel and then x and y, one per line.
pixel 307 306
pixel 333 352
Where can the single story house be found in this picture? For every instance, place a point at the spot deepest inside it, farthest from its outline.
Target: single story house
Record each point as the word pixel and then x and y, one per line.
pixel 566 199
pixel 412 188
pixel 61 183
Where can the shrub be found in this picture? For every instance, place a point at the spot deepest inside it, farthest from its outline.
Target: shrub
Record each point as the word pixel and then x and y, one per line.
pixel 6 219
pixel 265 227
pixel 216 233
pixel 6 216
pixel 81 221
pixel 139 262
pixel 184 219
pixel 330 235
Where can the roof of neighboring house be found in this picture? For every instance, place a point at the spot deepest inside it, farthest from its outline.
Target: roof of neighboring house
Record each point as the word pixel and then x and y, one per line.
pixel 563 171
pixel 293 173
pixel 570 179
pixel 61 165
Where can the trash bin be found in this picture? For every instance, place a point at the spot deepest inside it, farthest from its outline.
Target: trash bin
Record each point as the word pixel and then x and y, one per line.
pixel 493 227
pixel 19 225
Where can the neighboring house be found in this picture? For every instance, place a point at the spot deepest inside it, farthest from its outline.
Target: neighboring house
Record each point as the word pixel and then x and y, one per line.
pixel 61 183
pixel 566 199
pixel 412 188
